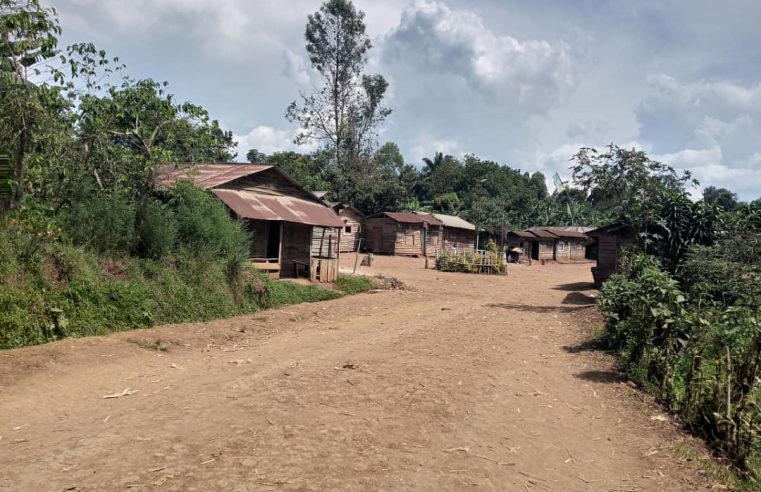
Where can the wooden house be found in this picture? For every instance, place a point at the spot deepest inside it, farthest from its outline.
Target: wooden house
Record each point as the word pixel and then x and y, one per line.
pixel 550 243
pixel 610 241
pixel 457 235
pixel 293 232
pixel 352 226
pixel 402 233
pixel 571 243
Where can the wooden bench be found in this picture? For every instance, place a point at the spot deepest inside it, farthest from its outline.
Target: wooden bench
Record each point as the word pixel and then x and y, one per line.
pixel 266 264
pixel 297 264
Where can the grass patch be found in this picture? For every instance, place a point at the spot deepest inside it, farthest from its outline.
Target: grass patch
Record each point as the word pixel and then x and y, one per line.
pixel 53 290
pixel 354 284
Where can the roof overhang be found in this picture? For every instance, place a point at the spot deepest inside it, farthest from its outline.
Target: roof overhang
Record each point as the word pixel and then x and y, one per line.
pixel 276 207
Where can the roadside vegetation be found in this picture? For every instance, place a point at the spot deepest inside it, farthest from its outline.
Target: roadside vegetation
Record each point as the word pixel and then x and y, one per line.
pixel 684 312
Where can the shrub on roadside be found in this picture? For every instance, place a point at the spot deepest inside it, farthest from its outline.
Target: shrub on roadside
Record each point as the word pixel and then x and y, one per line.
pixel 105 223
pixel 353 284
pixel 696 348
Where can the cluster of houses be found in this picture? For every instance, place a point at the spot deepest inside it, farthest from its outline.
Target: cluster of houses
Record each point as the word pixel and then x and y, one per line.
pixel 296 233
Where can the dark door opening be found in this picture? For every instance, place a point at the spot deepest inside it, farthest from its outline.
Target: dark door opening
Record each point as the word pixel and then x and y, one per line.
pixel 273 239
pixel 535 250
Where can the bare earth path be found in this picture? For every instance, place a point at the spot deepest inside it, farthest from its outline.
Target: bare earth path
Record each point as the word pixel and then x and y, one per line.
pixel 467 383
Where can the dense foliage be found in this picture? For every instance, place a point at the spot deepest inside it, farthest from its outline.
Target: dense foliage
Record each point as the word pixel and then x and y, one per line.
pixel 684 312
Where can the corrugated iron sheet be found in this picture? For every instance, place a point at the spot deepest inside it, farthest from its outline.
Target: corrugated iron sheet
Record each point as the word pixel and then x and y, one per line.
pixel 275 207
pixel 454 221
pixel 523 234
pixel 413 218
pixel 207 176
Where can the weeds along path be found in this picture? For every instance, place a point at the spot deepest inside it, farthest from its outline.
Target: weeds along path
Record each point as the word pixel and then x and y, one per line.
pixel 468 382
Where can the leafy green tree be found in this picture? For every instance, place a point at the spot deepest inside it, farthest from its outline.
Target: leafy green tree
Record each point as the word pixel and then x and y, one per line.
pixel 624 180
pixel 570 195
pixel 721 197
pixel 345 113
pixel 137 127
pixel 28 39
pixel 254 156
pixel 448 203
pixel 440 175
pixel 538 183
pixel 309 170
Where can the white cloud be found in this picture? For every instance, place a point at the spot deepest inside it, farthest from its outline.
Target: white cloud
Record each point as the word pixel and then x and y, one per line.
pixel 295 68
pixel 712 128
pixel 268 140
pixel 428 145
pixel 538 75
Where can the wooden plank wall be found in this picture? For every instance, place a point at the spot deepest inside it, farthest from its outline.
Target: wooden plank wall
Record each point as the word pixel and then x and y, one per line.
pixel 259 230
pixel 408 239
pixel 607 252
pixel 350 240
pixel 546 249
pixel 462 239
pixel 388 235
pixel 297 240
pixel 330 238
pixel 271 182
pixel 578 249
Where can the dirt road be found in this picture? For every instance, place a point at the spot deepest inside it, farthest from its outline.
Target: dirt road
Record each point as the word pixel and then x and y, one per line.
pixel 466 383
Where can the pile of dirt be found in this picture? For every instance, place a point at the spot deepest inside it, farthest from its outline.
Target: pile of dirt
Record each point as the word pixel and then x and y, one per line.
pixel 381 282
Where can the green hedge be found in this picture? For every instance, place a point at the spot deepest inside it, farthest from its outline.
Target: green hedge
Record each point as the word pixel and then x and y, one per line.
pixel 697 353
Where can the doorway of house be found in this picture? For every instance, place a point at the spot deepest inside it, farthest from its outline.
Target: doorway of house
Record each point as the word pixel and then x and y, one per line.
pixel 273 239
pixel 535 250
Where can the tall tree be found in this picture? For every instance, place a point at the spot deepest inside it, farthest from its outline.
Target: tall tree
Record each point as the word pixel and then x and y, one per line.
pixel 28 38
pixel 254 156
pixel 344 114
pixel 721 197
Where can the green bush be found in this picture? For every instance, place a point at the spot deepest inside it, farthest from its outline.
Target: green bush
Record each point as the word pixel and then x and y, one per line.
pixel 353 284
pixel 156 230
pixel 105 223
pixel 204 226
pixel 697 349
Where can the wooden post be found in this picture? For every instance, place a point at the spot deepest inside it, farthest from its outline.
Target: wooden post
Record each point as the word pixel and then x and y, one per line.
pixel 330 246
pixel 338 250
pixel 280 251
pixel 356 257
pixel 322 240
pixel 425 243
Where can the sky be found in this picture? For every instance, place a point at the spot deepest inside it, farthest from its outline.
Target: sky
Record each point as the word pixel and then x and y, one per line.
pixel 521 82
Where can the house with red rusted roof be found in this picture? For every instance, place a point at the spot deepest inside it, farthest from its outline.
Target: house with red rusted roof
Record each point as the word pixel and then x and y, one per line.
pixel 403 233
pixel 293 232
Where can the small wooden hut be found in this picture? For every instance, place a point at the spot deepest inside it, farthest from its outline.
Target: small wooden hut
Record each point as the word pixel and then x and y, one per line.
pixel 550 243
pixel 352 225
pixel 402 233
pixel 457 235
pixel 293 232
pixel 610 240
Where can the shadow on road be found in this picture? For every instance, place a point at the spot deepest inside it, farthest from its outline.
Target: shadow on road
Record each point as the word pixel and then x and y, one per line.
pixel 537 309
pixel 585 346
pixel 579 299
pixel 575 286
pixel 601 376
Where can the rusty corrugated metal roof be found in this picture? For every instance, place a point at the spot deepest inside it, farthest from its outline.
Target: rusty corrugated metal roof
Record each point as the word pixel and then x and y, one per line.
pixel 523 234
pixel 276 207
pixel 565 233
pixel 413 218
pixel 207 176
